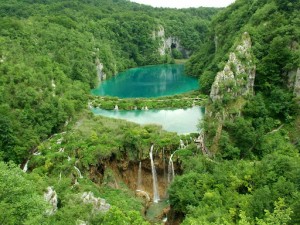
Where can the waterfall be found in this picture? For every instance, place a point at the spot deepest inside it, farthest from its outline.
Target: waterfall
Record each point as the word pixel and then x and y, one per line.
pixel 139 182
pixel 78 171
pixel 25 168
pixel 50 196
pixel 181 145
pixel 164 162
pixel 154 178
pixel 171 173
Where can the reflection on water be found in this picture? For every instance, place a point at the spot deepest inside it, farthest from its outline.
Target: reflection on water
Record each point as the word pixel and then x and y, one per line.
pixel 148 81
pixel 181 121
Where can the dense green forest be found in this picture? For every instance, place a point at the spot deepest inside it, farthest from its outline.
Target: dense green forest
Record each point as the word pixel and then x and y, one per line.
pixel 252 137
pixel 248 171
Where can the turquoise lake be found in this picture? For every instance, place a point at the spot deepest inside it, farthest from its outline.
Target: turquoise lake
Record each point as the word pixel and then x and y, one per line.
pixel 148 81
pixel 182 121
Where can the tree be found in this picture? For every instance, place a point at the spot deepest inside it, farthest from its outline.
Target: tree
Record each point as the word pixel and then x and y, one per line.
pixel 280 216
pixel 19 200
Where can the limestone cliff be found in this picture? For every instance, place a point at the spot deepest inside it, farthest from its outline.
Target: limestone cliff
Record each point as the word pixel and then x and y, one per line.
pixel 168 43
pixel 160 35
pixel 294 74
pixel 294 81
pixel 297 83
pixel 50 196
pixel 99 66
pixel 237 77
pixel 230 86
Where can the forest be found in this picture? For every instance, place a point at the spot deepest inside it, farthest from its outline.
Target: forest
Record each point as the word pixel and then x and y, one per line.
pixel 248 171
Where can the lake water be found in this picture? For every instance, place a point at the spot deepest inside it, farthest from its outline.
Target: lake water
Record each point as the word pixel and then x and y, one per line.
pixel 148 81
pixel 182 121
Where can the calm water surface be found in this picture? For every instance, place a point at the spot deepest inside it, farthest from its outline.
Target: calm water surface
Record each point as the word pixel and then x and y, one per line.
pixel 181 121
pixel 148 81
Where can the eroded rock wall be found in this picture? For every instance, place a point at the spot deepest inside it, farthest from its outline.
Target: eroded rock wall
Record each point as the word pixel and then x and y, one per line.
pixel 237 77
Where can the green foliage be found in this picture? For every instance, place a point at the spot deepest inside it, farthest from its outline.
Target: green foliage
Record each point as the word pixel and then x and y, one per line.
pixel 281 214
pixel 206 80
pixel 214 192
pixel 191 195
pixel 176 54
pixel 117 216
pixel 19 200
pixel 244 136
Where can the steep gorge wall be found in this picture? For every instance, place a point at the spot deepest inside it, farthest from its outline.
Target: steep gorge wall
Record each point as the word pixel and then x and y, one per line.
pixel 229 89
pixel 237 77
pixel 126 171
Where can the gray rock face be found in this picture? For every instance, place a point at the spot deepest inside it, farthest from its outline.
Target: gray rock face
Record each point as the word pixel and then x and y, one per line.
pixel 297 83
pixel 167 43
pixel 99 66
pixel 51 197
pixel 99 204
pixel 160 34
pixel 238 75
pixel 81 222
pixel 294 81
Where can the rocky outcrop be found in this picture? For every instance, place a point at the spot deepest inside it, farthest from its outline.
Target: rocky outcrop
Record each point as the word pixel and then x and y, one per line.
pixel 51 197
pixel 99 66
pixel 127 171
pixel 174 43
pixel 81 222
pixel 160 35
pixel 237 77
pixel 143 194
pixel 297 83
pixel 294 81
pixel 99 204
pixel 168 43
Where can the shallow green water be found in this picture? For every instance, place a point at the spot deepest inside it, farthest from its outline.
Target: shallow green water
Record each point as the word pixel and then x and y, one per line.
pixel 155 210
pixel 148 81
pixel 182 121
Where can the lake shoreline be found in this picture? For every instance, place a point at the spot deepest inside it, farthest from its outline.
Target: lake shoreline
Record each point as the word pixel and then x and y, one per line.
pixel 186 100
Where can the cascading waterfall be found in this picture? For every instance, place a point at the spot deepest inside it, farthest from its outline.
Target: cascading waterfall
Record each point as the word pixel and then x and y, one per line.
pixel 78 171
pixel 25 168
pixel 181 144
pixel 164 162
pixel 139 182
pixel 171 172
pixel 154 178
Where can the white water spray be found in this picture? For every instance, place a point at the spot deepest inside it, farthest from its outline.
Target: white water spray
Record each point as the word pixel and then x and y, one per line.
pixel 164 163
pixel 181 144
pixel 139 181
pixel 171 172
pixel 25 168
pixel 154 178
pixel 78 171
